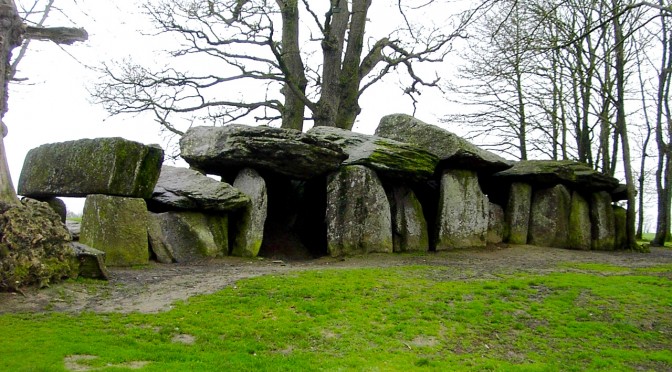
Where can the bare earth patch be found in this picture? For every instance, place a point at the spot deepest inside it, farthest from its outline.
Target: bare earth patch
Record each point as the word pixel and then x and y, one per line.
pixel 157 287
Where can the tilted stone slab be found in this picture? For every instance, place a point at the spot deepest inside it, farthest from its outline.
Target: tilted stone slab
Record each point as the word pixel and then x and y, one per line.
pixel 250 221
pixel 549 217
pixel 187 236
pixel 91 262
pixel 117 226
pixel 110 166
pixel 579 223
pixel 463 211
pixel 452 150
pixel 409 227
pixel 186 189
pixel 517 215
pixel 358 214
pixel 227 149
pixel 387 157
pixel 548 173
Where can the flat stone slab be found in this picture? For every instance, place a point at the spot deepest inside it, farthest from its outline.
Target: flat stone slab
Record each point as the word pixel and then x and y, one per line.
pixel 387 157
pixel 228 149
pixel 547 173
pixel 186 189
pixel 452 150
pixel 110 166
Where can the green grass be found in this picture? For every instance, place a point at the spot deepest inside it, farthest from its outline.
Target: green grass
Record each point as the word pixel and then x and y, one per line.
pixel 598 318
pixel 648 237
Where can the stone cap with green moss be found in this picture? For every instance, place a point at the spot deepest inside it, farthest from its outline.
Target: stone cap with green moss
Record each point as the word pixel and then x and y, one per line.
pixel 110 166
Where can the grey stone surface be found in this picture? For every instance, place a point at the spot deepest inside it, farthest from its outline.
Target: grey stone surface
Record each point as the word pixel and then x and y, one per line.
pixel 250 221
pixel 58 206
pixel 517 216
pixel 186 189
pixel 463 211
pixel 453 151
pixel 74 227
pixel 387 157
pixel 579 223
pixel 91 262
pixel 602 222
pixel 358 213
pixel 495 224
pixel 110 166
pixel 409 227
pixel 227 149
pixel 549 217
pixel 620 228
pixel 117 226
pixel 548 173
pixel 187 236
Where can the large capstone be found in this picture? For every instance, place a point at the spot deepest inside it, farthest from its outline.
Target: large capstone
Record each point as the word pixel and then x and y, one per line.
pixel 579 223
pixel 409 228
pixel 387 157
pixel 358 213
pixel 248 231
pixel 187 236
pixel 517 214
pixel 111 166
pixel 118 227
pixel 463 211
pixel 602 221
pixel 225 150
pixel 34 246
pixel 549 217
pixel 186 189
pixel 495 224
pixel 452 150
pixel 548 173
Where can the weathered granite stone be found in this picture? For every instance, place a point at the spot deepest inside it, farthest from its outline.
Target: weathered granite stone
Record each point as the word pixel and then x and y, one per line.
pixel 620 228
pixel 110 166
pixel 187 236
pixel 602 221
pixel 495 224
pixel 518 213
pixel 463 211
pixel 358 213
pixel 548 173
pixel 58 206
pixel 409 228
pixel 118 227
pixel 222 150
pixel 579 223
pixel 186 189
pixel 453 151
pixel 549 217
pixel 250 220
pixel 387 157
pixel 91 262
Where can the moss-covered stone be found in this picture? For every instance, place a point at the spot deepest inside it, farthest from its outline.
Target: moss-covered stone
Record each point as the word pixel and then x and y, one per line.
pixel 358 213
pixel 118 227
pixel 603 228
pixel 579 223
pixel 248 228
pixel 620 227
pixel 463 211
pixel 549 217
pixel 34 246
pixel 187 236
pixel 517 214
pixel 111 166
pixel 409 227
pixel 495 224
pixel 387 157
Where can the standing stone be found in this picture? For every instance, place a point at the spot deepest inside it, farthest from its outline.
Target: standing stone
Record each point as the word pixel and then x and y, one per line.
pixel 118 227
pixel 517 216
pixel 621 227
pixel 602 221
pixel 187 236
pixel 495 224
pixel 409 227
pixel 358 213
pixel 549 217
pixel 249 225
pixel 579 223
pixel 110 166
pixel 463 211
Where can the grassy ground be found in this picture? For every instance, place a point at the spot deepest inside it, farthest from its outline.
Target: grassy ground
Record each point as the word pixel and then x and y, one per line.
pixel 582 317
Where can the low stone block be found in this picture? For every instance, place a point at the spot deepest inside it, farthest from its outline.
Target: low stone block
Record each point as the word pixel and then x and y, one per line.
pixel 187 236
pixel 91 262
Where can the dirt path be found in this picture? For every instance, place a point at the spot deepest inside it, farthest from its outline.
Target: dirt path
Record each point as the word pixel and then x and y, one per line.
pixel 158 286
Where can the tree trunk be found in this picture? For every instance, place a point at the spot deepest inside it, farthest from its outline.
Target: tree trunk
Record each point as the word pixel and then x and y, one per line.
pixel 11 36
pixel 294 107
